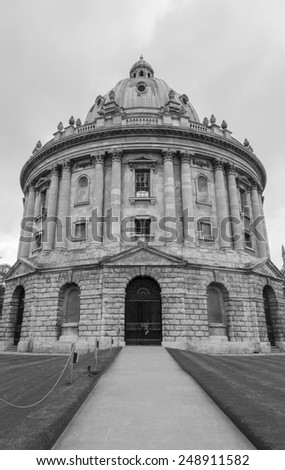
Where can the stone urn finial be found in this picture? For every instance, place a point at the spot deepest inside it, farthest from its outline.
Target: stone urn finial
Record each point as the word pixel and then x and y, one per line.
pixel 112 95
pixel 246 143
pixel 206 121
pixel 212 119
pixel 60 126
pixel 78 122
pixel 224 125
pixel 39 145
pixel 71 121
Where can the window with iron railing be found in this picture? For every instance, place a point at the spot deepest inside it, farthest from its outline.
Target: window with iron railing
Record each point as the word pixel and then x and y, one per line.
pixel 142 183
pixel 142 229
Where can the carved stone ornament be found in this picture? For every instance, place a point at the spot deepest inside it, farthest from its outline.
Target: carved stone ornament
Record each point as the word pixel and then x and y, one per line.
pixel 219 164
pixel 66 166
pixel 206 121
pixel 246 143
pixel 200 163
pixel 168 155
pixel 60 126
pixel 54 170
pixel 212 119
pixel 99 158
pixel 171 95
pixel 230 168
pixel 224 125
pixel 112 95
pixel 185 157
pixel 116 155
pixel 78 122
pixel 71 121
pixel 39 145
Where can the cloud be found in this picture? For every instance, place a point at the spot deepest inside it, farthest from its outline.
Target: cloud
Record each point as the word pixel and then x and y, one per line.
pixel 57 57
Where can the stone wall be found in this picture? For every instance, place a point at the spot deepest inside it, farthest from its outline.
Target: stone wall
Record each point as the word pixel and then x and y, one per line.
pixel 184 308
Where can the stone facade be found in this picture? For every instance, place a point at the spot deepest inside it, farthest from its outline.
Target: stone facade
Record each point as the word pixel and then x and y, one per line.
pixel 143 191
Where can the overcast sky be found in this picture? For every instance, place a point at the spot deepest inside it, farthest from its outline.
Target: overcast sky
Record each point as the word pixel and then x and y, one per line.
pixel 228 56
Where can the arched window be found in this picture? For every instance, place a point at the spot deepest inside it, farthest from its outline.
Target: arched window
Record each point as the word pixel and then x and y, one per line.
pixel 215 305
pixel 270 311
pixel 202 187
pixel 71 305
pixel 83 190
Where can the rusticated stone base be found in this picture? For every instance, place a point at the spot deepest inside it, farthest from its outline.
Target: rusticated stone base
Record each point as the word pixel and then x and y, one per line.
pixel 184 311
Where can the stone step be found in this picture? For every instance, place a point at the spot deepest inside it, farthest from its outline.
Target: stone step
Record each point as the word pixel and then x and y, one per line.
pixel 12 348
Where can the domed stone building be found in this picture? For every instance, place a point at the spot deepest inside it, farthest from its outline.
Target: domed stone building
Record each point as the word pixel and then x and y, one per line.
pixel 143 225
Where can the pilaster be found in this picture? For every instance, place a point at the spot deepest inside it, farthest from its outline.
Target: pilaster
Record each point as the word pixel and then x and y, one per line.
pixel 258 218
pixel 51 210
pixel 222 205
pixel 114 232
pixel 63 206
pixel 236 224
pixel 97 231
pixel 187 200
pixel 169 192
pixel 27 222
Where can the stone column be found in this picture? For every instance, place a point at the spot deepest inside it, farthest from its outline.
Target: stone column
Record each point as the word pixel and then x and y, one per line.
pixel 63 206
pixel 187 200
pixel 51 211
pixel 258 222
pixel 26 237
pixel 261 199
pixel 114 232
pixel 37 204
pixel 97 229
pixel 169 196
pixel 236 224
pixel 222 205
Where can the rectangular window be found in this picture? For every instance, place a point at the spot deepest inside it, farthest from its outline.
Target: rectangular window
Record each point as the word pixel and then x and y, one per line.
pixel 80 231
pixel 142 183
pixel 245 209
pixel 142 228
pixel 38 239
pixel 248 239
pixel 205 230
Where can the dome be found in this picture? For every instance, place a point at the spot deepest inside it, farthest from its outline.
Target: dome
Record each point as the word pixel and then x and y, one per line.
pixel 142 93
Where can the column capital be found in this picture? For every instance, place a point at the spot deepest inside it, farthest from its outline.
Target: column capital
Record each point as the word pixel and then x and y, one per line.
pixel 66 166
pixel 256 186
pixel 99 158
pixel 219 164
pixel 29 186
pixel 168 155
pixel 230 169
pixel 116 155
pixel 185 157
pixel 54 170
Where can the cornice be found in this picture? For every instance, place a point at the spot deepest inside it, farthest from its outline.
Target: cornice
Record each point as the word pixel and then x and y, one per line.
pixel 53 147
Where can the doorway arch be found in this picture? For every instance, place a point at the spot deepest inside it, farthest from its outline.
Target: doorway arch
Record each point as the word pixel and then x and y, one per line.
pixel 270 309
pixel 20 296
pixel 143 312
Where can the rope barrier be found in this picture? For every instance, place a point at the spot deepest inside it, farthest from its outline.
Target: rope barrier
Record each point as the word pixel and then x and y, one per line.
pixel 42 399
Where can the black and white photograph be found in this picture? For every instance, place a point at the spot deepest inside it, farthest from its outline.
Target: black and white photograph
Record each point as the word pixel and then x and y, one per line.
pixel 142 233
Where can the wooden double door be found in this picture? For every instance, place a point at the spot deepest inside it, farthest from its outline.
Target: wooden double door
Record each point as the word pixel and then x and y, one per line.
pixel 143 312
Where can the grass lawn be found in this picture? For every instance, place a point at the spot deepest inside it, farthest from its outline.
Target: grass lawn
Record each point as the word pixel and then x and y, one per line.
pixel 249 389
pixel 25 379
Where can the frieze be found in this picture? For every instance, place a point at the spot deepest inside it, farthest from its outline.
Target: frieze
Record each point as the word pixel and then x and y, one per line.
pixel 200 163
pixel 53 147
pixel 83 164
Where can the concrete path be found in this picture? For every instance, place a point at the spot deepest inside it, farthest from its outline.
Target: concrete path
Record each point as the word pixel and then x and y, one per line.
pixel 146 401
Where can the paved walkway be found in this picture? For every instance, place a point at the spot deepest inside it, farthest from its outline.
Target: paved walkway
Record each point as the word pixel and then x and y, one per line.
pixel 146 401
